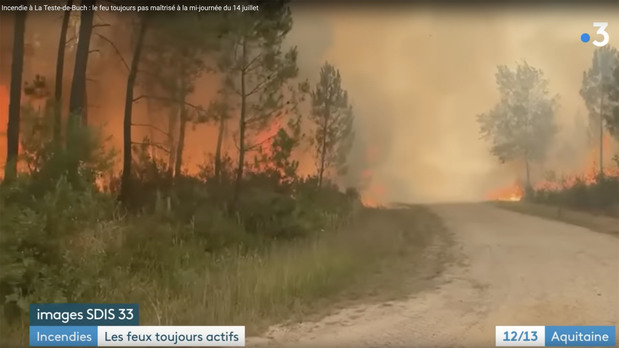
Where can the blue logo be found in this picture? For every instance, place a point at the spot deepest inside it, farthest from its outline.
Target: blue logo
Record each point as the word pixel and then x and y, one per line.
pixel 585 37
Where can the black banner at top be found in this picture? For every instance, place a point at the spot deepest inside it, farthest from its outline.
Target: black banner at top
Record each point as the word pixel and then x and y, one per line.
pixel 125 3
pixel 163 6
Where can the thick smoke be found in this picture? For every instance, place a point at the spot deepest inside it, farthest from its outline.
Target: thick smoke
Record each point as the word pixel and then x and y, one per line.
pixel 420 75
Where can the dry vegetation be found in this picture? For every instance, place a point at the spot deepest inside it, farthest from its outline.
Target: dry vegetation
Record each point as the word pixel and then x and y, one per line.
pixel 593 204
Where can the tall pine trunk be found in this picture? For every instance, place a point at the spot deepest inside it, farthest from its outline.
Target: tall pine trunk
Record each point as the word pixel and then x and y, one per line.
pixel 125 183
pixel 85 108
pixel 323 152
pixel 602 132
pixel 172 118
pixel 242 125
pixel 62 44
pixel 76 102
pixel 178 163
pixel 17 67
pixel 528 172
pixel 220 139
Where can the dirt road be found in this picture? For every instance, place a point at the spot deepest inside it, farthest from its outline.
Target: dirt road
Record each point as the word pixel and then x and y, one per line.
pixel 511 269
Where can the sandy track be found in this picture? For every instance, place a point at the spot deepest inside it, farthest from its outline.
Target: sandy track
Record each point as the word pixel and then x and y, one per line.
pixel 512 269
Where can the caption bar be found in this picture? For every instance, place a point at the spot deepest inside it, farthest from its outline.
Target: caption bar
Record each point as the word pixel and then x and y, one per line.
pixel 116 325
pixel 132 8
pixel 555 336
pixel 137 336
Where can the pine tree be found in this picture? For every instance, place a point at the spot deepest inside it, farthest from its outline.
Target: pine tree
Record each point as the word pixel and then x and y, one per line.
pixel 596 91
pixel 333 117
pixel 256 69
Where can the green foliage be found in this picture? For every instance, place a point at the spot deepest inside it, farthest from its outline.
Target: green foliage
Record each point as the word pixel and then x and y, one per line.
pixel 521 125
pixel 256 71
pixel 600 85
pixel 49 162
pixel 276 159
pixel 45 209
pixel 333 120
pixel 255 65
pixel 207 169
pixel 151 179
pixel 56 236
pixel 175 58
pixel 601 196
pixel 612 122
pixel 176 61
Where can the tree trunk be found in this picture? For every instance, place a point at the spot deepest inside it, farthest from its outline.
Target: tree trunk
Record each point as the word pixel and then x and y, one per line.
pixel 181 140
pixel 172 117
pixel 150 112
pixel 528 172
pixel 62 44
pixel 76 102
pixel 323 150
pixel 85 108
pixel 125 184
pixel 602 133
pixel 242 125
pixel 220 139
pixel 17 67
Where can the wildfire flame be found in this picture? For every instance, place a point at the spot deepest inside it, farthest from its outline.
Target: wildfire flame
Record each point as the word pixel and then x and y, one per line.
pixel 373 195
pixel 265 138
pixel 511 193
pixel 588 176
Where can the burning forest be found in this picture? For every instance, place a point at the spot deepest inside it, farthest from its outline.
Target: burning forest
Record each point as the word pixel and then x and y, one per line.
pixel 181 122
pixel 589 174
pixel 240 155
pixel 521 132
pixel 199 124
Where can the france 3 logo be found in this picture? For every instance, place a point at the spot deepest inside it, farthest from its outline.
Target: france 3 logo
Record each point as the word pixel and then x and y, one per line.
pixel 601 31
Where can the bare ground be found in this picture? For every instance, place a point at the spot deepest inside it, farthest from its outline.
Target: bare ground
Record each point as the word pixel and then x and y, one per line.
pixel 512 269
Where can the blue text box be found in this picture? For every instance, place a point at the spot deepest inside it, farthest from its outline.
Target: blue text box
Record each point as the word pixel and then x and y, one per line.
pixel 84 314
pixel 580 336
pixel 63 336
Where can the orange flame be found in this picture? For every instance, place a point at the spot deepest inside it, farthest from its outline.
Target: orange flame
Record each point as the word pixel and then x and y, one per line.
pixel 374 194
pixel 588 176
pixel 264 142
pixel 512 193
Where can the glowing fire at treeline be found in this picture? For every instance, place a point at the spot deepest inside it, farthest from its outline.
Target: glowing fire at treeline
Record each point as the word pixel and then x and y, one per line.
pixel 588 175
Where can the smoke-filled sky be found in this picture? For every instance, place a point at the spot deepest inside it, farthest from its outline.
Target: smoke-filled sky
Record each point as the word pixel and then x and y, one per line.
pixel 418 76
